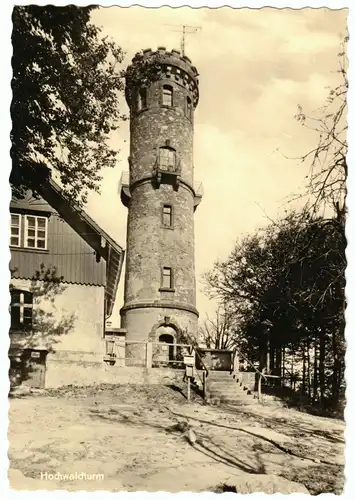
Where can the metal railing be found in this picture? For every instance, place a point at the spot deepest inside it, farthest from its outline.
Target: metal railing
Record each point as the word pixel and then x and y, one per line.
pixel 262 374
pixel 154 355
pixel 204 367
pixel 197 353
pixel 169 355
pixel 126 353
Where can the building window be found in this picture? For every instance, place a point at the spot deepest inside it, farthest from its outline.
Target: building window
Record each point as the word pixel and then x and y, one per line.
pixel 36 232
pixel 142 99
pixel 21 310
pixel 110 348
pixel 167 278
pixel 167 95
pixel 167 158
pixel 167 216
pixel 188 108
pixel 15 230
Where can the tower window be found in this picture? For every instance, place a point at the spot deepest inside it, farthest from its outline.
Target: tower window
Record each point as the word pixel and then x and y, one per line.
pixel 142 99
pixel 167 278
pixel 167 216
pixel 21 310
pixel 167 95
pixel 188 107
pixel 167 158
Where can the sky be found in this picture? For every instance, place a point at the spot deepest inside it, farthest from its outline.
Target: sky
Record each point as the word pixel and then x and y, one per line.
pixel 256 67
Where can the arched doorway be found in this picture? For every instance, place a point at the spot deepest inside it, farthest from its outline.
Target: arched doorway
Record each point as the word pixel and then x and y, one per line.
pixel 167 338
pixel 166 354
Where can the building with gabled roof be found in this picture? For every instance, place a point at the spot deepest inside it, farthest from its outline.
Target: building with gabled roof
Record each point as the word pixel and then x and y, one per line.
pixel 65 272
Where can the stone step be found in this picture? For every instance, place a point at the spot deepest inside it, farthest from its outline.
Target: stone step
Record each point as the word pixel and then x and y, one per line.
pixel 213 383
pixel 228 390
pixel 229 396
pixel 236 394
pixel 223 379
pixel 231 401
pixel 233 394
pixel 226 383
pixel 227 387
pixel 217 374
pixel 224 388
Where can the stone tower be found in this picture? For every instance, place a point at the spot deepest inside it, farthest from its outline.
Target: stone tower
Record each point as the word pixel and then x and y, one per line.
pixel 161 197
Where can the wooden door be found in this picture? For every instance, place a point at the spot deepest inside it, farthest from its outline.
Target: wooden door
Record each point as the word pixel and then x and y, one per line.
pixel 35 368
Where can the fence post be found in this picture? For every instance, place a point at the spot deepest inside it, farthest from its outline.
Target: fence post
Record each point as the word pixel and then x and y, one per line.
pixel 259 388
pixel 204 381
pixel 236 362
pixel 149 354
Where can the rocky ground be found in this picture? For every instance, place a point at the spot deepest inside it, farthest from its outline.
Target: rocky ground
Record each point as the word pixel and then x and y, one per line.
pixel 137 438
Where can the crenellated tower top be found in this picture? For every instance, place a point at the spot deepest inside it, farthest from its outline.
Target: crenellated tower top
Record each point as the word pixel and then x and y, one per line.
pixel 149 66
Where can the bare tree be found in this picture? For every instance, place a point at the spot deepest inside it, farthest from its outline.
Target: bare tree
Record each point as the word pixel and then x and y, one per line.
pixel 219 332
pixel 326 180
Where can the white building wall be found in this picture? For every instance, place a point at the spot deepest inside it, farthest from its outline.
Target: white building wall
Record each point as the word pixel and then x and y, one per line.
pixel 66 317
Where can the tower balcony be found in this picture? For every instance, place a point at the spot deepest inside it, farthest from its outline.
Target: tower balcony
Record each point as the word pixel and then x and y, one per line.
pixel 159 174
pixel 167 172
pixel 124 188
pixel 198 188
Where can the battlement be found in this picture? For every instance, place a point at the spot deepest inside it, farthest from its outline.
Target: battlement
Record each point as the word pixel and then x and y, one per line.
pixel 165 55
pixel 164 64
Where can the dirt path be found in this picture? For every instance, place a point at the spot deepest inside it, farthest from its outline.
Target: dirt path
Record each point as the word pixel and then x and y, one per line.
pixel 131 436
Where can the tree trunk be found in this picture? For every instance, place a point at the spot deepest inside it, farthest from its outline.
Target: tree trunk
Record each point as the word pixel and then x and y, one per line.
pixel 262 356
pixel 309 387
pixel 337 369
pixel 321 367
pixel 272 359
pixel 303 369
pixel 292 383
pixel 268 353
pixel 278 364
pixel 315 372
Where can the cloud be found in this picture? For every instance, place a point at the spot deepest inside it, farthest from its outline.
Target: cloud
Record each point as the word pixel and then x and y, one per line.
pixel 312 43
pixel 255 67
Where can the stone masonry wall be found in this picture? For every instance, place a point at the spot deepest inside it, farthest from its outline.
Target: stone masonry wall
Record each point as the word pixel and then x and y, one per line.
pixel 152 126
pixel 151 246
pixel 142 325
pixel 61 372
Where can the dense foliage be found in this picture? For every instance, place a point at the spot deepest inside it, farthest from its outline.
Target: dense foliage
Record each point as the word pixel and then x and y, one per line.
pixel 287 284
pixel 66 84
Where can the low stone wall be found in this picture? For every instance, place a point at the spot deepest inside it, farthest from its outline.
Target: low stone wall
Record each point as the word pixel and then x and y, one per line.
pixel 215 359
pixel 65 368
pixel 248 379
pixel 84 372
